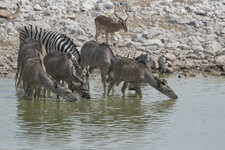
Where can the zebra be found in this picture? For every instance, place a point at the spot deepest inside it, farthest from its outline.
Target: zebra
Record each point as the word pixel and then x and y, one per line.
pixel 51 40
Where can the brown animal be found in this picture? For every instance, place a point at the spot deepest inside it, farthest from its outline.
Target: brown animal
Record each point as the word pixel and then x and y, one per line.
pixel 99 56
pixel 9 15
pixel 109 25
pixel 34 77
pixel 129 70
pixel 60 67
pixel 26 51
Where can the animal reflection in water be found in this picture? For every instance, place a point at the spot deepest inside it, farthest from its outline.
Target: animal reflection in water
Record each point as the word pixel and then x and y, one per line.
pixel 75 116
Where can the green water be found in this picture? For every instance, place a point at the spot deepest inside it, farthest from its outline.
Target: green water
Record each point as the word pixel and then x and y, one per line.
pixel 195 121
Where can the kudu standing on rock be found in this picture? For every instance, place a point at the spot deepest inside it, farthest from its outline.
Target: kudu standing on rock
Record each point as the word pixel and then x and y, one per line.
pixel 60 67
pixel 99 56
pixel 109 25
pixel 129 70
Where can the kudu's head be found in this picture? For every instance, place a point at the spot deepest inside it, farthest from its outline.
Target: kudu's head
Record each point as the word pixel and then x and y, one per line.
pixel 64 92
pixel 164 88
pixel 80 87
pixel 122 21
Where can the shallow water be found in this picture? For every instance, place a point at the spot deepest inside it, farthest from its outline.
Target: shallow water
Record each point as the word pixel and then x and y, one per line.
pixel 194 121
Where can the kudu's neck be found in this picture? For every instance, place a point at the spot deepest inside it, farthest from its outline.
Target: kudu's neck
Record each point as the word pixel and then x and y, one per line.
pixel 47 82
pixel 117 26
pixel 150 79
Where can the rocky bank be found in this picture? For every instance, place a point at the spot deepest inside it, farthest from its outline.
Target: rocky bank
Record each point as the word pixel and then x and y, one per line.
pixel 184 37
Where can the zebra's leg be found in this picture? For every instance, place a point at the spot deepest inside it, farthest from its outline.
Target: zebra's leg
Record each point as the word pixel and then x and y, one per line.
pixel 125 84
pixel 82 66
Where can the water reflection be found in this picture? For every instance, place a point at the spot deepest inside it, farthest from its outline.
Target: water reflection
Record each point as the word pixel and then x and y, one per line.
pixel 91 120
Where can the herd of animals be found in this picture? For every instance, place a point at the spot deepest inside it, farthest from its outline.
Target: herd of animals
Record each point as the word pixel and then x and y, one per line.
pixel 49 61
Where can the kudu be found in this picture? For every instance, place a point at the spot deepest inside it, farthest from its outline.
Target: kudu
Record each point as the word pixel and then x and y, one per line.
pixel 9 15
pixel 26 51
pixel 109 25
pixel 60 67
pixel 34 78
pixel 99 56
pixel 129 70
pixel 141 57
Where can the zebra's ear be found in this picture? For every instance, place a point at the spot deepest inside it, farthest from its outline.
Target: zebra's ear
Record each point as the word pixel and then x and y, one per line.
pixel 69 54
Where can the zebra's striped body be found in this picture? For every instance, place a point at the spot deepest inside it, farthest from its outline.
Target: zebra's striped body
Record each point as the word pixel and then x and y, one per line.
pixel 52 41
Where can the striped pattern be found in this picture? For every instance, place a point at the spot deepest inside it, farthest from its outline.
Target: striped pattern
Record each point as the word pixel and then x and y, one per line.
pixel 51 40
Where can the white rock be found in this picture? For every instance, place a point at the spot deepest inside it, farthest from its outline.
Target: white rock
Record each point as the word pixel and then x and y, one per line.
pixel 88 4
pixel 216 46
pixel 37 7
pixel 170 56
pixel 154 42
pixel 220 60
pixel 108 5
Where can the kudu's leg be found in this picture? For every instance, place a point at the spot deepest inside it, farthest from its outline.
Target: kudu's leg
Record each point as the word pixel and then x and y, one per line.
pixel 32 93
pixel 138 89
pixel 19 77
pixel 125 84
pixel 16 78
pixel 112 83
pixel 26 89
pixel 37 92
pixel 97 33
pixel 18 71
pixel 57 81
pixel 106 36
pixel 103 81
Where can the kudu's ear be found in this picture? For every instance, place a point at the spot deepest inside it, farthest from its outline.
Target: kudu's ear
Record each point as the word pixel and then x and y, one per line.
pixel 69 55
pixel 143 62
